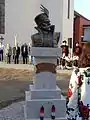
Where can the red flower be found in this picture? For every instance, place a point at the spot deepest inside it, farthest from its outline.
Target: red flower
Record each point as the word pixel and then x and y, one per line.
pixel 69 92
pixel 80 81
pixel 84 110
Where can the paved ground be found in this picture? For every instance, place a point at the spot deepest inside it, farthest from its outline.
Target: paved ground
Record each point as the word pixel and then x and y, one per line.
pixel 15 79
pixel 13 112
pixel 16 66
pixel 28 66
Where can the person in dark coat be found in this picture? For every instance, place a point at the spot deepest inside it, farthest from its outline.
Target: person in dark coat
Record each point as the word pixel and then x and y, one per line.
pixel 16 53
pixel 24 52
pixel 78 51
pixel 1 51
pixel 65 50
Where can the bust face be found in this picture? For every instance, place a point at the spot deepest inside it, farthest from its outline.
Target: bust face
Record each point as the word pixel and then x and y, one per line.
pixel 42 20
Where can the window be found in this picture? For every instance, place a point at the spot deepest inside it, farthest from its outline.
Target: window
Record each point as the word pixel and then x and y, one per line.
pixel 2 16
pixel 70 42
pixel 86 37
pixel 68 9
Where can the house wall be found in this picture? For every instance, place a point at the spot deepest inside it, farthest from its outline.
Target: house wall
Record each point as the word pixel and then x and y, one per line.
pixel 83 22
pixel 78 29
pixel 68 23
pixel 19 19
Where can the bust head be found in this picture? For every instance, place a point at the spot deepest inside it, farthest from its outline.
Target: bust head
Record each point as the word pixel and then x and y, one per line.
pixel 42 20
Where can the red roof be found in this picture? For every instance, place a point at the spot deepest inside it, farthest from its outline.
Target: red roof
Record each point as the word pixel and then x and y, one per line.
pixel 79 15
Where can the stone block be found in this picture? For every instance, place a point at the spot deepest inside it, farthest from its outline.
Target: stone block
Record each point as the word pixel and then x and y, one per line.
pixel 27 95
pixel 45 80
pixel 46 67
pixel 32 108
pixel 44 93
pixel 45 60
pixel 64 118
pixel 45 52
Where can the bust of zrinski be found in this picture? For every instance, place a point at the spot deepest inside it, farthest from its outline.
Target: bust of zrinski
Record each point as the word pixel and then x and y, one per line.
pixel 46 36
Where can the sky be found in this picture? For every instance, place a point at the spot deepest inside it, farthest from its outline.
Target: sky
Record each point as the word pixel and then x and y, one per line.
pixel 83 7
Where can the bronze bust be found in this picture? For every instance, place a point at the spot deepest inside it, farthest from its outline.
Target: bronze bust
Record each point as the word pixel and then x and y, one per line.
pixel 46 36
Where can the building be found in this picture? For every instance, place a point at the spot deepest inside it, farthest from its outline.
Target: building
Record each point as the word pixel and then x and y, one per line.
pixel 80 22
pixel 19 17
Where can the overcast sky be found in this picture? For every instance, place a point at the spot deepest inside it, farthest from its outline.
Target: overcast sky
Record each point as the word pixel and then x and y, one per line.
pixel 83 7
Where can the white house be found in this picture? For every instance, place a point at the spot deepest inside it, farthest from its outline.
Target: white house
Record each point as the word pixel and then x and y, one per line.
pixel 20 14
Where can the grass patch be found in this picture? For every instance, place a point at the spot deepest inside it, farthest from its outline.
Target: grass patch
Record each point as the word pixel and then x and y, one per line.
pixel 4 104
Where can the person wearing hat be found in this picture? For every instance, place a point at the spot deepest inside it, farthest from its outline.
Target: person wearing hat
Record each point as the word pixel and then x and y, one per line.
pixel 78 50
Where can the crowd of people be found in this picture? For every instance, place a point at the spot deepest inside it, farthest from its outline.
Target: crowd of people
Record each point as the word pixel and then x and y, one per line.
pixel 66 60
pixel 15 53
pixel 24 51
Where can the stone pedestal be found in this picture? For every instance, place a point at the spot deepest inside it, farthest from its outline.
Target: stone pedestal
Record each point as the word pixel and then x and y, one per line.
pixel 44 91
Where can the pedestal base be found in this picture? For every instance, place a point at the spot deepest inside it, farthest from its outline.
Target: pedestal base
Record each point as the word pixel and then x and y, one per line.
pixel 35 98
pixel 32 108
pixel 43 93
pixel 49 119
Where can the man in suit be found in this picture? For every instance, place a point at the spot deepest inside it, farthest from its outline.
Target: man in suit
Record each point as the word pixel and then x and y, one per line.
pixel 16 53
pixel 24 52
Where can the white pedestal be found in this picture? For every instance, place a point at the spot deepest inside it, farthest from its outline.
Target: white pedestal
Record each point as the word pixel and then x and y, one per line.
pixel 44 91
pixel 45 80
